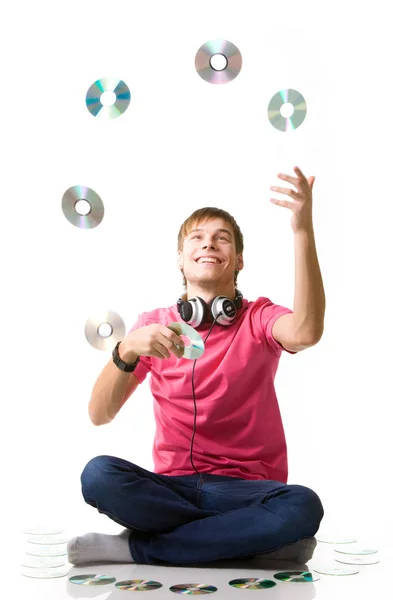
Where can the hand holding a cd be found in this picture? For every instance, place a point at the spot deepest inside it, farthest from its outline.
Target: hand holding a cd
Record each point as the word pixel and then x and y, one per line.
pixel 153 340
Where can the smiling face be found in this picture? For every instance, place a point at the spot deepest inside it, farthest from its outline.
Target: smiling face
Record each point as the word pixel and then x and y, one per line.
pixel 209 258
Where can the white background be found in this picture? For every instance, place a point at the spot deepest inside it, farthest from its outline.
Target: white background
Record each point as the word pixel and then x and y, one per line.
pixel 184 144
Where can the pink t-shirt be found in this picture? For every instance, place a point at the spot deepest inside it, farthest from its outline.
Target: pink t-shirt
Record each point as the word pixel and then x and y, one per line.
pixel 239 431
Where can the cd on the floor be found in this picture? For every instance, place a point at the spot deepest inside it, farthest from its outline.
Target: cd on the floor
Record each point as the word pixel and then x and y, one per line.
pixel 196 347
pixel 42 561
pixel 108 84
pixel 334 539
pixel 193 589
pixel 41 530
pixel 75 194
pixel 252 583
pixel 45 573
pixel 355 550
pixel 110 319
pixel 138 585
pixel 92 579
pixel 348 559
pixel 47 550
pixel 274 110
pixel 336 570
pixel 296 576
pixel 231 54
pixel 48 539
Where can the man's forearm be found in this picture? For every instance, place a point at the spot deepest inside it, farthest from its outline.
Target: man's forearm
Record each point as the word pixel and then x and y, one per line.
pixel 309 302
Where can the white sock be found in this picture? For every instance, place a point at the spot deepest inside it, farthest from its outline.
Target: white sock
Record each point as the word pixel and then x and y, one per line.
pixel 99 548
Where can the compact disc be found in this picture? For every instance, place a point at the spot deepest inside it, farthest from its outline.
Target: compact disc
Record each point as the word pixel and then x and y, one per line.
pixel 50 550
pixel 336 570
pixel 252 583
pixel 335 539
pixel 108 84
pixel 45 573
pixel 196 347
pixel 75 194
pixel 42 530
pixel 138 585
pixel 232 61
pixel 111 321
pixel 42 561
pixel 357 560
pixel 296 576
pixel 274 110
pixel 353 550
pixel 193 589
pixel 92 579
pixel 48 539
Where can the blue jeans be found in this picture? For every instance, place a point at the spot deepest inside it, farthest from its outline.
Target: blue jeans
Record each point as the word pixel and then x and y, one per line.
pixel 199 518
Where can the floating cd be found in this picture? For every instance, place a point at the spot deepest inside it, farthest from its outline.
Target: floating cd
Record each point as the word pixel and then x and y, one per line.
pixel 48 539
pixel 45 573
pixel 357 560
pixel 197 347
pixel 108 84
pixel 353 550
pixel 42 530
pixel 230 54
pixel 108 319
pixel 193 589
pixel 336 571
pixel 138 585
pixel 274 110
pixel 92 579
pixel 296 576
pixel 50 550
pixel 76 194
pixel 252 583
pixel 42 561
pixel 334 539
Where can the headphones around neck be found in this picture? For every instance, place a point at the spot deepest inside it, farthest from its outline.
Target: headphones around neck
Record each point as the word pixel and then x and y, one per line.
pixel 195 310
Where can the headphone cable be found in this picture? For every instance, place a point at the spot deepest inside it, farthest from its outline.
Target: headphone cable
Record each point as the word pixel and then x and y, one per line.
pixel 193 393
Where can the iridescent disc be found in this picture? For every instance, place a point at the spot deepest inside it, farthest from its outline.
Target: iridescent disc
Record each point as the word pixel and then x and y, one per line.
pixel 353 550
pixel 40 530
pixel 75 194
pixel 109 319
pixel 108 84
pixel 48 539
pixel 296 576
pixel 50 550
pixel 203 61
pixel 274 110
pixel 336 571
pixel 196 347
pixel 45 573
pixel 193 589
pixel 252 583
pixel 334 539
pixel 42 561
pixel 357 560
pixel 138 585
pixel 92 579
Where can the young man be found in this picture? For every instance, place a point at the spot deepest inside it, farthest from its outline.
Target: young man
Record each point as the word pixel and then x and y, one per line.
pixel 228 497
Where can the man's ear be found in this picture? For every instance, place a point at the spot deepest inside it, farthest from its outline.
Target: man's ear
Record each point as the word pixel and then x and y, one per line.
pixel 239 262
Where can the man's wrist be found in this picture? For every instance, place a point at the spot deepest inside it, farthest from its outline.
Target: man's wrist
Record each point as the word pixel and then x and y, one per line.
pixel 126 354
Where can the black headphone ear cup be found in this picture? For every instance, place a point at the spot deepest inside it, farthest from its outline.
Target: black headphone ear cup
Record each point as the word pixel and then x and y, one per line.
pixel 193 311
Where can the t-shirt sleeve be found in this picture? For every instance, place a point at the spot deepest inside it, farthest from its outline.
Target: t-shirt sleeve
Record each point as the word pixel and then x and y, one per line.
pixel 268 314
pixel 144 365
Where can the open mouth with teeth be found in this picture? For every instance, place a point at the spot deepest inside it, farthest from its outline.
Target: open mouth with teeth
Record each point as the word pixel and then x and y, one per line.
pixel 208 261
